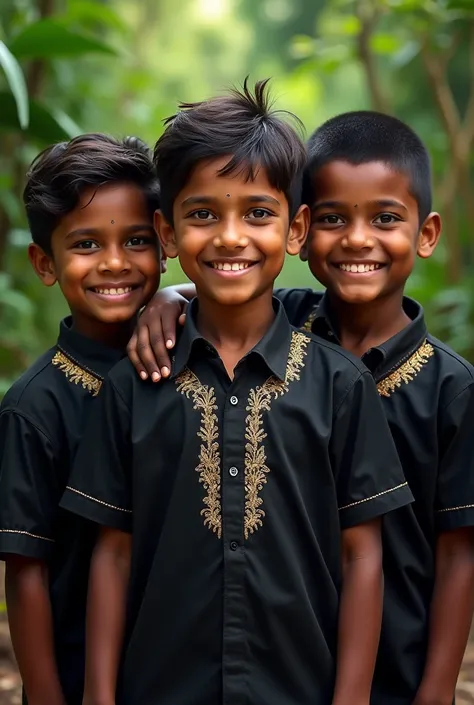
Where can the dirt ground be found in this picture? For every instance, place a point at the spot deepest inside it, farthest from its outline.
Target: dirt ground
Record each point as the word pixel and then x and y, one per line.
pixel 10 684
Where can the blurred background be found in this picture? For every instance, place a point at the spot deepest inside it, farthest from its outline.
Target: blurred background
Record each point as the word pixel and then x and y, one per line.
pixel 72 66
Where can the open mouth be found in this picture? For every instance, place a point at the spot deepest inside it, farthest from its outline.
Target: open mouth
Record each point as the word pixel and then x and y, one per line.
pixel 227 267
pixel 114 291
pixel 359 268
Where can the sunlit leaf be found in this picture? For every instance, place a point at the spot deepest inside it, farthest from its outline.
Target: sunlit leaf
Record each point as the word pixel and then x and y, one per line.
pixel 43 127
pixel 302 46
pixel 17 83
pixel 385 43
pixel 49 38
pixel 87 12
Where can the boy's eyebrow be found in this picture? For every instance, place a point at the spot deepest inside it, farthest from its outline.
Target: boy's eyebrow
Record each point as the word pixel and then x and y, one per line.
pixel 206 200
pixel 384 203
pixel 81 232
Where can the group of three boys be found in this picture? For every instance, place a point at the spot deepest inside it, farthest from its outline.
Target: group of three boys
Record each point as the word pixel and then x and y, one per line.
pixel 306 462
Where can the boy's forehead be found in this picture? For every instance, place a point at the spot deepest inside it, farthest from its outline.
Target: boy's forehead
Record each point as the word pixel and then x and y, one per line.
pixel 206 179
pixel 344 181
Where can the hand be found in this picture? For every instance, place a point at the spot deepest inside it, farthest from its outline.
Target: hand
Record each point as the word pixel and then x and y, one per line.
pixel 156 334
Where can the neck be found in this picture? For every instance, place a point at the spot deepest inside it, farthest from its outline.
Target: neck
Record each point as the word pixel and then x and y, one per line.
pixel 364 326
pixel 234 330
pixel 115 335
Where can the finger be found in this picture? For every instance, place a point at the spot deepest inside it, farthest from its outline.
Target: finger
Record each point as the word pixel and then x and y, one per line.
pixel 146 355
pixel 169 320
pixel 182 319
pixel 134 359
pixel 158 345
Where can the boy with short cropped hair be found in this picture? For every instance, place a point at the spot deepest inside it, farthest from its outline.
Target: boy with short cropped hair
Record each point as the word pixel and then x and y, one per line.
pixel 368 184
pixel 254 477
pixel 90 205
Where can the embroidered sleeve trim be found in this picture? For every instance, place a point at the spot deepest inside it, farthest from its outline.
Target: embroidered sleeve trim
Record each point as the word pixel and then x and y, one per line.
pixel 456 509
pixel 375 496
pixel 77 374
pixel 406 373
pixel 99 501
pixel 25 533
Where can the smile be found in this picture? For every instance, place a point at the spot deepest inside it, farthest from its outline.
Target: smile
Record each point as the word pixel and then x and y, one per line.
pixel 359 268
pixel 113 292
pixel 231 267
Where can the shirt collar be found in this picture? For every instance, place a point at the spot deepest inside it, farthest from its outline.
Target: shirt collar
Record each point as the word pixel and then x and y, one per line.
pixel 273 348
pixel 382 358
pixel 90 354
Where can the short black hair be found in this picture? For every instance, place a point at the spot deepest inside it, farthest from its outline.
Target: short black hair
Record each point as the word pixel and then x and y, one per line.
pixel 368 136
pixel 59 175
pixel 240 124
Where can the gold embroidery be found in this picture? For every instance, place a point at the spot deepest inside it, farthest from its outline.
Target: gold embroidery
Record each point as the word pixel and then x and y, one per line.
pixel 407 371
pixel 76 374
pixel 25 533
pixel 99 501
pixel 308 324
pixel 259 401
pixel 456 509
pixel 368 499
pixel 209 467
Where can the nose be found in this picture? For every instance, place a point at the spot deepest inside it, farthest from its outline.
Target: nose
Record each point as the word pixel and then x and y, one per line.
pixel 231 234
pixel 358 237
pixel 114 259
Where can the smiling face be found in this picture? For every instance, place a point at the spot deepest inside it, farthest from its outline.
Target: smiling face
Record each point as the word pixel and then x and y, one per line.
pixel 365 231
pixel 105 257
pixel 231 235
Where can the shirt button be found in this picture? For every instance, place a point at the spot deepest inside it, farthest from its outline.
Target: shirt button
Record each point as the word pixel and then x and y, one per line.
pixel 330 333
pixel 234 545
pixel 233 472
pixel 234 401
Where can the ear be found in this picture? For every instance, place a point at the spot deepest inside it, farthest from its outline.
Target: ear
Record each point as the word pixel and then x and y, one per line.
pixel 163 261
pixel 166 234
pixel 42 264
pixel 298 230
pixel 429 235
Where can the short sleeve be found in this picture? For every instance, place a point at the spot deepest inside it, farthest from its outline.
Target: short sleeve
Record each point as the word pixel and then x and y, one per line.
pixel 298 304
pixel 369 477
pixel 455 486
pixel 30 488
pixel 99 486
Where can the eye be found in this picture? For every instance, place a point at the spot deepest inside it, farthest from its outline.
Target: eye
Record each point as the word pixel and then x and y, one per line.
pixel 139 240
pixel 330 219
pixel 202 214
pixel 259 214
pixel 386 219
pixel 86 245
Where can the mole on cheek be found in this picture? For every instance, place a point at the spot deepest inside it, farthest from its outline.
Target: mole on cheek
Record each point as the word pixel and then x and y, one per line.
pixel 227 195
pixel 112 222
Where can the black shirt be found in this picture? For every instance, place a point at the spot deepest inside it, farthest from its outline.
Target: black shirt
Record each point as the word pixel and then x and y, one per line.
pixel 427 392
pixel 237 492
pixel 42 419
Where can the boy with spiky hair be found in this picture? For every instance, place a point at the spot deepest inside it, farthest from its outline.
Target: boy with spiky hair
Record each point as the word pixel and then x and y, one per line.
pixel 254 478
pixel 368 184
pixel 90 205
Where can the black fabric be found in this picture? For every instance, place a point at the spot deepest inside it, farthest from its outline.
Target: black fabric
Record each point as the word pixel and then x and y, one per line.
pixel 236 493
pixel 42 419
pixel 427 394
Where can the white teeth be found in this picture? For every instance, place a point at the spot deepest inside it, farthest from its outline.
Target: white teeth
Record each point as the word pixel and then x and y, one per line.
pixel 114 292
pixel 228 267
pixel 359 268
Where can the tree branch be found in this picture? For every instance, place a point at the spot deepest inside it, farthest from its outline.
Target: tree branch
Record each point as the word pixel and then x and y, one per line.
pixel 368 16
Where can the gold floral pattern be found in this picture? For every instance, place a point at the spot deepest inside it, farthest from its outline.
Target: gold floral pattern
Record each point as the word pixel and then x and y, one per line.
pixel 308 324
pixel 407 371
pixel 77 374
pixel 260 399
pixel 204 400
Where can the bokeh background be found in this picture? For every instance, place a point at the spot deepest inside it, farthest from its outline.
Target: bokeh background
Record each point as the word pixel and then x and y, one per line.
pixel 121 66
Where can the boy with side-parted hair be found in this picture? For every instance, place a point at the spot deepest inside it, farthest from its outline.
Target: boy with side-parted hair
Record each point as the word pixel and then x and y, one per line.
pixel 253 479
pixel 368 184
pixel 90 205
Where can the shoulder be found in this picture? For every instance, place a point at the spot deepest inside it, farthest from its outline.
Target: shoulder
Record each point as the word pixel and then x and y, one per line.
pixel 455 373
pixel 34 394
pixel 328 361
pixel 298 303
pixel 124 380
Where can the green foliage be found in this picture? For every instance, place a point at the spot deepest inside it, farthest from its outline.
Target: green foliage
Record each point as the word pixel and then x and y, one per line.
pixel 17 84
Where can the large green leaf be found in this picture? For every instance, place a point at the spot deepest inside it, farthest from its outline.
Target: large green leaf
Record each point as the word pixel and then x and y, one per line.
pixel 43 128
pixel 48 39
pixel 17 83
pixel 91 12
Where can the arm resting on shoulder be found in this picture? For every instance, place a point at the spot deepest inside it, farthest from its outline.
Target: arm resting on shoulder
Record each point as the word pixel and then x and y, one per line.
pixel 31 629
pixel 360 613
pixel 108 583
pixel 450 616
